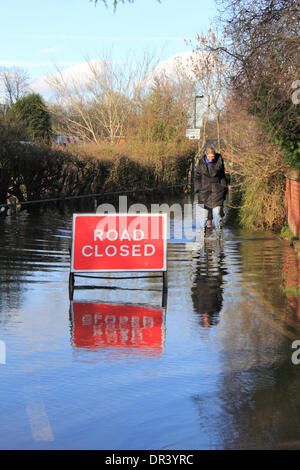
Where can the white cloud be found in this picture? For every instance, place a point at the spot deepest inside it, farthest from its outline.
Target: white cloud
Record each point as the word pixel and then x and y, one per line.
pixel 80 72
pixel 182 62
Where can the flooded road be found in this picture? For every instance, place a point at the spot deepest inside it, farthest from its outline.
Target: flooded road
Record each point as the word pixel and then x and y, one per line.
pixel 113 369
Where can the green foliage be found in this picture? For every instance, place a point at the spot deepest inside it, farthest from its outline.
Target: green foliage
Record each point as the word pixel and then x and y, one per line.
pixel 286 233
pixel 262 204
pixel 37 171
pixel 32 118
pixel 162 117
pixel 290 290
pixel 263 46
pixel 280 119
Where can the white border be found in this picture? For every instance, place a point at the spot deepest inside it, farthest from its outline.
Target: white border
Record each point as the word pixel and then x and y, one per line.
pixel 165 238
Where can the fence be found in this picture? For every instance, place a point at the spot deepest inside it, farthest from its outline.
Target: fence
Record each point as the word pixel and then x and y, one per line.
pixel 291 280
pixel 293 204
pixel 14 203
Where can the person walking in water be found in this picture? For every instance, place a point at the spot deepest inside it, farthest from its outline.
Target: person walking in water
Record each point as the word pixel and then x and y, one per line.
pixel 210 187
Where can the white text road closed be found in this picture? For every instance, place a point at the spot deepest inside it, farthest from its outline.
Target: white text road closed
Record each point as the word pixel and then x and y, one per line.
pixel 119 242
pixel 122 250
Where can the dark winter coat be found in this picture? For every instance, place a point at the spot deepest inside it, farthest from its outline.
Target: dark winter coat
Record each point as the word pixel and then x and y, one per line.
pixel 210 183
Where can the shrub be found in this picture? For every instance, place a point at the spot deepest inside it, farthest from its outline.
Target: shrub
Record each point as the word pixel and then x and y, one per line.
pixel 32 117
pixel 38 171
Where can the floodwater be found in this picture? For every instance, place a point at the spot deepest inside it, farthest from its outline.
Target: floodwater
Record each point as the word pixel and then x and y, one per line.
pixel 113 369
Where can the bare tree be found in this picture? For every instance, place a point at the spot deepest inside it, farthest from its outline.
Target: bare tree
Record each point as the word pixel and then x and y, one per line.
pixel 257 167
pixel 99 107
pixel 116 2
pixel 263 44
pixel 163 113
pixel 14 83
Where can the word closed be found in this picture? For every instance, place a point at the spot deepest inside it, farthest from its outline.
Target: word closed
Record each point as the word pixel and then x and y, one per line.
pixel 119 242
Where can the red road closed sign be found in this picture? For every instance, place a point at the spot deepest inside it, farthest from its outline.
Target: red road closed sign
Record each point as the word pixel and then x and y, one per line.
pixel 119 242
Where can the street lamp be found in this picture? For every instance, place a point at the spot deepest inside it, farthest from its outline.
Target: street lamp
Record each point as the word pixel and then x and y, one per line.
pixel 195 108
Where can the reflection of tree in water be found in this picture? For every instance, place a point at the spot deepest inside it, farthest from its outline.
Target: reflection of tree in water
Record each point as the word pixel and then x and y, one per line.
pixel 36 241
pixel 207 291
pixel 254 409
pixel 27 243
pixel 255 400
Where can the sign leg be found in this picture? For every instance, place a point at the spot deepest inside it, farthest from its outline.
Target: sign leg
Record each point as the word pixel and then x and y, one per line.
pixel 165 281
pixel 165 289
pixel 71 285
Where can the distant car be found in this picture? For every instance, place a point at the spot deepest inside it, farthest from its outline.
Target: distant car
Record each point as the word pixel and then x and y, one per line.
pixel 64 140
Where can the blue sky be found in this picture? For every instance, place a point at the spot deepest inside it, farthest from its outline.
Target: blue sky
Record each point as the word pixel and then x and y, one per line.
pixel 36 34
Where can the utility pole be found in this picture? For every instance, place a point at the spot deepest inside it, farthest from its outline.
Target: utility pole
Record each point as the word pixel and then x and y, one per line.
pixel 196 157
pixel 197 97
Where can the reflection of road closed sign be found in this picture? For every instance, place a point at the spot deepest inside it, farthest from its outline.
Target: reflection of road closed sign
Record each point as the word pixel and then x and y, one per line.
pixel 119 242
pixel 97 325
